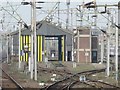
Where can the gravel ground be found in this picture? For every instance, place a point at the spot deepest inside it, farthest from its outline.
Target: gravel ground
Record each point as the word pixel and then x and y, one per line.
pixel 102 77
pixel 21 78
pixel 44 77
pixel 69 66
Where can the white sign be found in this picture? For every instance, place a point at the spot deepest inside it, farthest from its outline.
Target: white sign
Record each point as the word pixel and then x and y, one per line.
pixel 42 52
pixel 53 55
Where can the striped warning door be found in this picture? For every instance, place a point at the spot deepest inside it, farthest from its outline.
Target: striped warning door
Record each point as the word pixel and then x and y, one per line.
pixel 24 41
pixel 39 48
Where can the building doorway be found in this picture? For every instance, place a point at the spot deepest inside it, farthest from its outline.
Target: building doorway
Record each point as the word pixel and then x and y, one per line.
pixel 54 47
pixel 94 56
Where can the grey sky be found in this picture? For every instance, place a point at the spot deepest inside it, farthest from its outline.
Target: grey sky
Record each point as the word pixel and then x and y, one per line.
pixel 25 11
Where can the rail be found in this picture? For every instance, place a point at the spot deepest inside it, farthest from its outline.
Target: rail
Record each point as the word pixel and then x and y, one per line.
pixel 13 80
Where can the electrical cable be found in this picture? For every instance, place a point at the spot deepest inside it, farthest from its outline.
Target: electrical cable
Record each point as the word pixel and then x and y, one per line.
pixel 18 15
pixel 13 13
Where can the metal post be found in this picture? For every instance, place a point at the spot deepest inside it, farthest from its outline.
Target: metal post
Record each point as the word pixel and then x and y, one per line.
pixel 71 19
pixel 72 48
pixel 66 53
pixel 32 57
pixel 2 46
pixel 90 46
pixel 102 47
pixel 29 63
pixel 81 14
pixel 108 56
pixel 7 50
pixel 95 10
pixel 67 20
pixel 108 46
pixel 116 55
pixel 78 44
pixel 72 36
pixel 12 45
pixel 58 12
pixel 20 26
pixel 35 48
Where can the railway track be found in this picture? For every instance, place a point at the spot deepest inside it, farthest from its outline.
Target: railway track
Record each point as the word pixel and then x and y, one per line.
pixel 9 82
pixel 82 84
pixel 60 72
pixel 100 84
pixel 91 84
pixel 69 81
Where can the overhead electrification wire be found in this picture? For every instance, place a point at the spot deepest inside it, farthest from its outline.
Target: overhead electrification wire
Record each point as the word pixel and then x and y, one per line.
pixel 52 10
pixel 110 21
pixel 12 13
pixel 88 21
pixel 106 12
pixel 104 17
pixel 55 17
pixel 18 15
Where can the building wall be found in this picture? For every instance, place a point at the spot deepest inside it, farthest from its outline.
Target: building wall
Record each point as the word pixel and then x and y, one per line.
pixel 15 44
pixel 94 41
pixel 83 58
pixel 82 45
pixel 84 42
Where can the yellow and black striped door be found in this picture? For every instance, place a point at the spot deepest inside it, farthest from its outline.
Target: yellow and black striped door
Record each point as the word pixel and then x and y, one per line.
pixel 39 48
pixel 24 41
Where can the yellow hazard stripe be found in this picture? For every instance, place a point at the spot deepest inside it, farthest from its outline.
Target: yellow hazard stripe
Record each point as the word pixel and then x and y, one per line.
pixel 40 48
pixel 63 48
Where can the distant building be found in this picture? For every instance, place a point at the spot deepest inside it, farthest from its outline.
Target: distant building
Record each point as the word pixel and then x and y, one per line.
pixel 85 46
pixel 82 45
pixel 53 42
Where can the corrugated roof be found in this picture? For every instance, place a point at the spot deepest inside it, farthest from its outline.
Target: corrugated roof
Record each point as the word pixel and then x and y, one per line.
pixel 38 26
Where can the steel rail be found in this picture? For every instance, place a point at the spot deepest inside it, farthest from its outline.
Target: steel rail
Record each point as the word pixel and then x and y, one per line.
pixel 13 80
pixel 73 76
pixel 113 86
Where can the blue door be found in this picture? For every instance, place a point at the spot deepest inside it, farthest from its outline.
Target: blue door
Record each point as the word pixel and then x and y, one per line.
pixel 94 56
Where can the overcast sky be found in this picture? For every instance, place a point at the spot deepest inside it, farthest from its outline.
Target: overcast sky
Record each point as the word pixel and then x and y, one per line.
pixel 25 11
pixel 64 0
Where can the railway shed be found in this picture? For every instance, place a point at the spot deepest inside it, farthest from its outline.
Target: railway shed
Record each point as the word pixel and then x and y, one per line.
pixel 53 42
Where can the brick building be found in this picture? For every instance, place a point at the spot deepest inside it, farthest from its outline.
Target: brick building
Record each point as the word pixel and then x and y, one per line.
pixel 85 45
pixel 82 45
